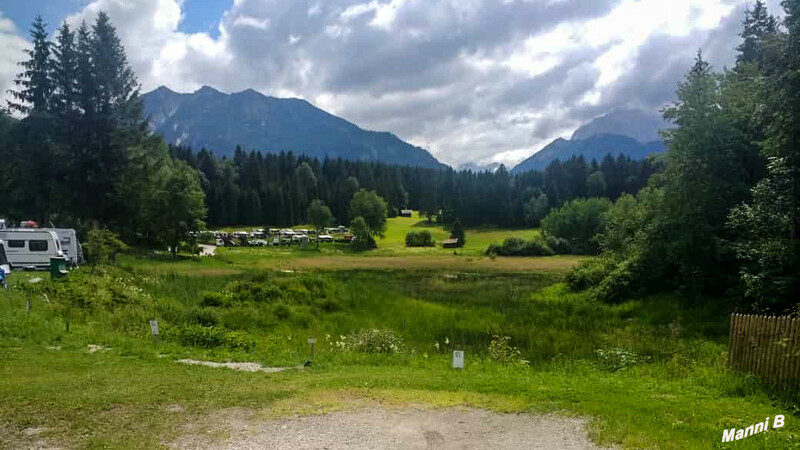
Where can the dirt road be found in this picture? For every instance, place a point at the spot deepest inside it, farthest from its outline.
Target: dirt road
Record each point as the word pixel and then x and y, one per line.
pixel 395 429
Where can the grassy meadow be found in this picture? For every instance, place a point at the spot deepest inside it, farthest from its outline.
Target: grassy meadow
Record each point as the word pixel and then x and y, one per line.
pixel 393 242
pixel 648 373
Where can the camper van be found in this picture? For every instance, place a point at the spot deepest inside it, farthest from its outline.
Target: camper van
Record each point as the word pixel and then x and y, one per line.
pixel 30 247
pixel 70 245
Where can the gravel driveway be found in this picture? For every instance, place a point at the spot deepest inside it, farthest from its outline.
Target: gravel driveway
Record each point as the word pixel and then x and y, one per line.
pixel 400 429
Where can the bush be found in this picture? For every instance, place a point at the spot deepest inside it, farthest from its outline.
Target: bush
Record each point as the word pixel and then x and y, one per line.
pixel 589 273
pixel 503 352
pixel 203 316
pixel 371 341
pixel 209 298
pixel 419 239
pixel 578 221
pixel 616 359
pixel 282 312
pixel 213 337
pixel 559 245
pixel 515 246
pixel 330 306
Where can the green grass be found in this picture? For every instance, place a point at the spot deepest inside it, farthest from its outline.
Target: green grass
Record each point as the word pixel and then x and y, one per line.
pixel 678 393
pixel 477 240
pixel 393 243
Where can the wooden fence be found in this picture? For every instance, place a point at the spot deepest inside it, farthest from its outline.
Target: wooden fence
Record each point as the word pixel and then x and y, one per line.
pixel 768 347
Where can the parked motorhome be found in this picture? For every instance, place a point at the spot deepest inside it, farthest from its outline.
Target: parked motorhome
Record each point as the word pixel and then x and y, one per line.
pixel 70 245
pixel 30 247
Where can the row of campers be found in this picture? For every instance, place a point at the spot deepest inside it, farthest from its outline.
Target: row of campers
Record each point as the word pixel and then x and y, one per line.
pixel 30 247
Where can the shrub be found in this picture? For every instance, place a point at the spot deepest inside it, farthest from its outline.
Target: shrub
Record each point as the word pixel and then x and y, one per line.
pixel 209 298
pixel 371 341
pixel 282 312
pixel 213 337
pixel 515 246
pixel 419 239
pixel 559 245
pixel 203 316
pixel 501 350
pixel 330 306
pixel 589 273
pixel 616 359
pixel 620 284
pixel 578 221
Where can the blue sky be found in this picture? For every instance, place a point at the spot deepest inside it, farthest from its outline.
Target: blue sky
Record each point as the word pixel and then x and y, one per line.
pixel 198 15
pixel 470 80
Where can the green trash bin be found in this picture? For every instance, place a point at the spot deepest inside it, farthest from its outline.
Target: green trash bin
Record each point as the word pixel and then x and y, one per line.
pixel 58 267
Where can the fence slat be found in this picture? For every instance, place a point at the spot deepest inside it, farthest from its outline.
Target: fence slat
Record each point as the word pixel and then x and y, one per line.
pixel 773 350
pixel 763 343
pixel 731 340
pixel 794 365
pixel 793 356
pixel 750 341
pixel 733 356
pixel 781 333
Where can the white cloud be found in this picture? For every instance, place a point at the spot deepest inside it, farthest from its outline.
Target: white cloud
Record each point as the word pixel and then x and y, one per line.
pixel 12 50
pixel 247 21
pixel 470 80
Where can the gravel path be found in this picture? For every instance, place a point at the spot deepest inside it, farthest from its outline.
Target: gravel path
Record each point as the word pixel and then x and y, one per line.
pixel 400 429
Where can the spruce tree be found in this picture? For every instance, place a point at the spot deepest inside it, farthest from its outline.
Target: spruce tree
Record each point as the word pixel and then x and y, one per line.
pixel 35 82
pixel 65 74
pixel 758 26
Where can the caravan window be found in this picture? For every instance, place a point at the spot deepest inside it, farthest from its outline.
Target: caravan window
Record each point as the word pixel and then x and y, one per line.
pixel 37 246
pixel 65 241
pixel 16 244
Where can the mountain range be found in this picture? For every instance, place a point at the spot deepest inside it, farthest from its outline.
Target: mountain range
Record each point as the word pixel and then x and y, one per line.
pixel 208 118
pixel 628 131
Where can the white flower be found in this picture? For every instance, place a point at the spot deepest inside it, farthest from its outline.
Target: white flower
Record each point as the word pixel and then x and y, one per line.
pixel 436 345
pixel 446 341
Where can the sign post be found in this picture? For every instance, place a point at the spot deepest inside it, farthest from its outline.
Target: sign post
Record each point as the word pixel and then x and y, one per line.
pixel 458 359
pixel 311 342
pixel 154 330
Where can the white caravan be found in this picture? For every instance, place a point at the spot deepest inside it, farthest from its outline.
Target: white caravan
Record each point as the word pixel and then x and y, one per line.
pixel 70 245
pixel 30 247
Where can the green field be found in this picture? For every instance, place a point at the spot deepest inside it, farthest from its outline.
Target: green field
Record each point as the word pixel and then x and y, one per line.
pixel 393 243
pixel 647 373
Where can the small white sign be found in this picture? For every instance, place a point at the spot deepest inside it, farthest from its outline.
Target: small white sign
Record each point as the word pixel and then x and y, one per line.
pixel 154 327
pixel 312 340
pixel 458 359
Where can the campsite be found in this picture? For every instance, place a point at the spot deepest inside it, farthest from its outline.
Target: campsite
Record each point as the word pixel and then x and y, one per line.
pixel 400 225
pixel 385 336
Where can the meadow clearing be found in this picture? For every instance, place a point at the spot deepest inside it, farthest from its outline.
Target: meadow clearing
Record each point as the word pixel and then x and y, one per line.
pixel 645 373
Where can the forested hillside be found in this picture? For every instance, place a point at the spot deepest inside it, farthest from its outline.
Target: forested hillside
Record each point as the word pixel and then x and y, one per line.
pixel 276 189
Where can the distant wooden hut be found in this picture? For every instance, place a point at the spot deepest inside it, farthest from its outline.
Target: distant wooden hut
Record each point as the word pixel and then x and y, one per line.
pixel 450 243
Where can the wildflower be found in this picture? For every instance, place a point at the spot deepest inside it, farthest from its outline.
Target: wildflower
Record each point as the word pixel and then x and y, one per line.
pixel 437 346
pixel 446 341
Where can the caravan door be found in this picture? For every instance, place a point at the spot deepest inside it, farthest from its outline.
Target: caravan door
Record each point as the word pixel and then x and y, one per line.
pixel 5 268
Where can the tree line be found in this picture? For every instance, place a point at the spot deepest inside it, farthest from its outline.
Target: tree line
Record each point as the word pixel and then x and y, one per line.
pixel 82 155
pixel 254 188
pixel 722 220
